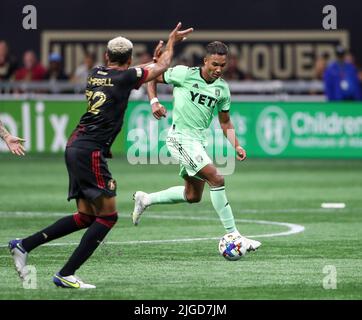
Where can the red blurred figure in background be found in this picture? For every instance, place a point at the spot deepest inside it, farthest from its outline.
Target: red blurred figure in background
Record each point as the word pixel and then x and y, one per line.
pixel 32 69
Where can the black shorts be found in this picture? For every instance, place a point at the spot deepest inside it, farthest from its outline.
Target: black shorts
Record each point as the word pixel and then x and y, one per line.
pixel 89 176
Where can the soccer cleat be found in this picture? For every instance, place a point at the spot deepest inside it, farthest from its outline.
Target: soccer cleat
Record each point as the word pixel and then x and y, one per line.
pixel 140 205
pixel 20 257
pixel 250 244
pixel 71 281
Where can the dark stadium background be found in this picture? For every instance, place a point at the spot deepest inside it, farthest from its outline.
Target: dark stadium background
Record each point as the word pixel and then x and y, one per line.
pixel 162 15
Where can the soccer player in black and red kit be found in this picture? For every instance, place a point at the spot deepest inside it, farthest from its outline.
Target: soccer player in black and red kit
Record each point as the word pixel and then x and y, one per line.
pixel 90 181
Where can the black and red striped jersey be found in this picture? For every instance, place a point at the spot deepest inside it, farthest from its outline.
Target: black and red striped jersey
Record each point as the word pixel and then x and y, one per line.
pixel 107 93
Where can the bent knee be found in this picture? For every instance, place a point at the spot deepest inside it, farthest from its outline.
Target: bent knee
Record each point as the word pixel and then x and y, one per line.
pixel 217 181
pixel 194 198
pixel 108 220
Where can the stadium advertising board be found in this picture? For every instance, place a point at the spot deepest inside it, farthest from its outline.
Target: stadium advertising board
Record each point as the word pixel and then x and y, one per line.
pixel 295 129
pixel 264 54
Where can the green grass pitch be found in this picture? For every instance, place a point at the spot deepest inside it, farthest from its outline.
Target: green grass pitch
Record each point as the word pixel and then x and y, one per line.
pixel 143 263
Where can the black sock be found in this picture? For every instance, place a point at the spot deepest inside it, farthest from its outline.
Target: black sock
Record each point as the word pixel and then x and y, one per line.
pixel 89 243
pixel 59 229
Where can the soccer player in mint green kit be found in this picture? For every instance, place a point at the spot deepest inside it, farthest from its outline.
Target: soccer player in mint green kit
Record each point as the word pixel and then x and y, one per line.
pixel 197 91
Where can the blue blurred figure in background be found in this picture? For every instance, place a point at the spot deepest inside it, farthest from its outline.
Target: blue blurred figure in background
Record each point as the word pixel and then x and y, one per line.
pixel 341 79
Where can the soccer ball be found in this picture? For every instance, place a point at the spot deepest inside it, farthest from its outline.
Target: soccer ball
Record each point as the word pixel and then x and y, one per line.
pixel 231 246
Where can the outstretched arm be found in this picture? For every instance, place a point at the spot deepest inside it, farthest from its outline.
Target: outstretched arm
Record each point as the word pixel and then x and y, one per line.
pixel 13 143
pixel 164 61
pixel 156 55
pixel 229 132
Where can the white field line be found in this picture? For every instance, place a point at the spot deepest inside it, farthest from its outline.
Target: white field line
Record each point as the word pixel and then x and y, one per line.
pixel 292 228
pixel 283 210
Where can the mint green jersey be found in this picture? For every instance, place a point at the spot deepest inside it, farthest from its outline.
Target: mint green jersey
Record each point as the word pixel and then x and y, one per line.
pixel 195 100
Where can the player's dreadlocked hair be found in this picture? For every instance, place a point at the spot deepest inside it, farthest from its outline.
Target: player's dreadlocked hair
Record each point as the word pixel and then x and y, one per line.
pixel 217 47
pixel 119 50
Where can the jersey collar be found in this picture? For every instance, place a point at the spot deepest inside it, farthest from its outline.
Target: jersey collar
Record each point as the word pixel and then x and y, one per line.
pixel 208 82
pixel 116 68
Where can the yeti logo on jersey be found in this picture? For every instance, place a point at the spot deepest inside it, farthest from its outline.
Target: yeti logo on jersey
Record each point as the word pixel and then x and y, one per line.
pixel 203 99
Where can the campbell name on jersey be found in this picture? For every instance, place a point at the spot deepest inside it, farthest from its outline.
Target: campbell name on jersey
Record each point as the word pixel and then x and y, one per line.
pixel 107 94
pixel 195 99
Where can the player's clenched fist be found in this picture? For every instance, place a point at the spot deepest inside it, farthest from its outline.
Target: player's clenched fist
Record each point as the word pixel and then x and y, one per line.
pixel 158 110
pixel 240 153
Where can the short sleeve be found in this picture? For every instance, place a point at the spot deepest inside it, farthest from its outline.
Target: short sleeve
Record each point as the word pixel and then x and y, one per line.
pixel 224 102
pixel 175 75
pixel 141 75
pixel 133 77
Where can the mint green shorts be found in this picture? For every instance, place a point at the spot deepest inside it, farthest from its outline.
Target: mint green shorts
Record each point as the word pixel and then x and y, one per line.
pixel 190 153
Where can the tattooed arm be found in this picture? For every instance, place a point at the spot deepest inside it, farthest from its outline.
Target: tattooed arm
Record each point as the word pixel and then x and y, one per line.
pixel 13 143
pixel 3 132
